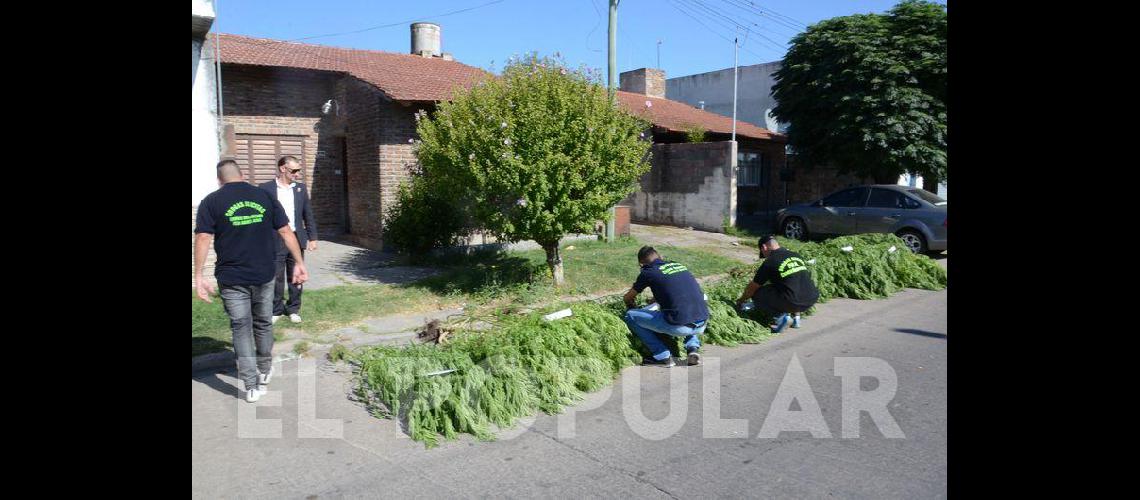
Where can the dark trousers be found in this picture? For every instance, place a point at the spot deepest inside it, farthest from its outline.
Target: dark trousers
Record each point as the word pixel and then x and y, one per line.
pixel 285 265
pixel 769 300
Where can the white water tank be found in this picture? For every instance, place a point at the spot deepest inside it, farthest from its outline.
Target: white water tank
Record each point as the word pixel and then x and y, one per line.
pixel 425 39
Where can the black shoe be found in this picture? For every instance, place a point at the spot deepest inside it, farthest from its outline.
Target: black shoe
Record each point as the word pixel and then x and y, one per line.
pixel 694 358
pixel 665 363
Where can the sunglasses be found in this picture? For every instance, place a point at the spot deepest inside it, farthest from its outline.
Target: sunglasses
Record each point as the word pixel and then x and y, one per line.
pixel 296 170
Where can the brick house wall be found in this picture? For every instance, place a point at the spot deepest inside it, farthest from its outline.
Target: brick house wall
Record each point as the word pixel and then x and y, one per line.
pixel 362 163
pixel 769 194
pixel 283 101
pixel 810 184
pixel 397 155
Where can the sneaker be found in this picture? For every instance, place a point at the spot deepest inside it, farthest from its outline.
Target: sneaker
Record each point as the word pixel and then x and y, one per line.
pixel 274 320
pixel 263 378
pixel 262 389
pixel 781 323
pixel 296 318
pixel 252 395
pixel 665 363
pixel 694 358
pixel 796 321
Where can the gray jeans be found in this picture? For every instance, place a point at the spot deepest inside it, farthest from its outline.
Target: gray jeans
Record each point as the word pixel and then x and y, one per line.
pixel 250 308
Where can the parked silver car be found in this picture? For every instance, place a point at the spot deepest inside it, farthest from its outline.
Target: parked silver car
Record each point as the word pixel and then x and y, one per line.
pixel 915 215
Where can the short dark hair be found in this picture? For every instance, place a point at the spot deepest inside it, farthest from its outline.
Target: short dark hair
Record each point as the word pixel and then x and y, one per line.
pixel 286 159
pixel 766 239
pixel 228 169
pixel 645 252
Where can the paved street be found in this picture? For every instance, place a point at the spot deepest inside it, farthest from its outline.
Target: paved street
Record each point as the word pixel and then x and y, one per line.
pixel 606 453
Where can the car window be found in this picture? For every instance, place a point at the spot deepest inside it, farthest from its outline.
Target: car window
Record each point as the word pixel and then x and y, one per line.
pixel 853 197
pixel 909 202
pixel 927 196
pixel 886 198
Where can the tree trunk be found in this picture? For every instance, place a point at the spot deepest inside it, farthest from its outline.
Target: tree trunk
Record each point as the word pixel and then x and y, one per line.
pixel 930 183
pixel 554 260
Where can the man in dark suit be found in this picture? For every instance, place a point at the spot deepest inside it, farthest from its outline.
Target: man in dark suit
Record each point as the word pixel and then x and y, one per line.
pixel 294 197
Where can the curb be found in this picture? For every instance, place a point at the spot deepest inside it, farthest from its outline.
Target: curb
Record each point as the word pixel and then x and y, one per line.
pixel 228 359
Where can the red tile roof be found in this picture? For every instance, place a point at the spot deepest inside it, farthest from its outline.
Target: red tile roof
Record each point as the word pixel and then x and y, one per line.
pixel 407 77
pixel 403 77
pixel 678 116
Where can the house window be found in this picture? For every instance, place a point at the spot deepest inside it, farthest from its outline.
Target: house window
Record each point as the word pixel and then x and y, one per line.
pixel 750 169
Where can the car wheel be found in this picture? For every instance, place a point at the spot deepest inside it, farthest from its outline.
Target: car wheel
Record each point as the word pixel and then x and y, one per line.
pixel 795 229
pixel 914 241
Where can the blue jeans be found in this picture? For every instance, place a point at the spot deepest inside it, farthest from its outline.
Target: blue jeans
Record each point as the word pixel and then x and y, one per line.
pixel 646 324
pixel 250 309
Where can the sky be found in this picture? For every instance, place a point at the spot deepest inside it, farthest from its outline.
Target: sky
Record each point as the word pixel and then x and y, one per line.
pixel 695 35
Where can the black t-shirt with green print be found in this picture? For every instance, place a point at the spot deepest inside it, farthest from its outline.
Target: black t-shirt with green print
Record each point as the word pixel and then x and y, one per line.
pixel 244 220
pixel 789 274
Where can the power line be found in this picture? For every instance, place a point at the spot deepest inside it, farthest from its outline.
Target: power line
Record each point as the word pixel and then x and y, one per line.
pixel 760 16
pixel 729 40
pixel 371 28
pixel 733 21
pixel 268 43
pixel 731 24
pixel 771 14
pixel 399 23
pixel 594 4
pixel 762 8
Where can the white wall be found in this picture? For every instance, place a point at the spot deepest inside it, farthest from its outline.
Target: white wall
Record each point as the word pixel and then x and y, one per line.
pixel 753 92
pixel 204 128
pixel 916 181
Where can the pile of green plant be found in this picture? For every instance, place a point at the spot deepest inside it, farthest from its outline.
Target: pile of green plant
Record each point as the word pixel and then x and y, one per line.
pixel 871 270
pixel 524 364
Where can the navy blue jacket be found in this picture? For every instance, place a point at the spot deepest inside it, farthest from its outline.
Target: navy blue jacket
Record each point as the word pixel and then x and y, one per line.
pixel 302 215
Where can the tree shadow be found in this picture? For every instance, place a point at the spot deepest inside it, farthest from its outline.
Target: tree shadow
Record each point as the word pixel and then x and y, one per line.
pixel 206 345
pixel 379 267
pixel 479 271
pixel 923 333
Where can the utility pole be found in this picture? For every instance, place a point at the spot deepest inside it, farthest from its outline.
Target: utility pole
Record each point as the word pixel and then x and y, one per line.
pixel 611 74
pixel 611 223
pixel 735 70
pixel 658 53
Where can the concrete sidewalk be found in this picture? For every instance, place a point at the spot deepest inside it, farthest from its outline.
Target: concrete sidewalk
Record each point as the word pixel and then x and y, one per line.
pixel 327 446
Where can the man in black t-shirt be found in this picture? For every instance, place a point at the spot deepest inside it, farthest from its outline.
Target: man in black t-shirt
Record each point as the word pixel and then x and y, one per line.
pixel 243 221
pixel 792 290
pixel 679 309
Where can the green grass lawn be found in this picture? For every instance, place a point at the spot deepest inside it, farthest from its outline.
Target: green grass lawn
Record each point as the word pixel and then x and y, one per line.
pixel 485 279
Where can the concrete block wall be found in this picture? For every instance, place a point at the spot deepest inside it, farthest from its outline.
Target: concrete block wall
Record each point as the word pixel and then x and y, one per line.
pixel 645 81
pixel 689 185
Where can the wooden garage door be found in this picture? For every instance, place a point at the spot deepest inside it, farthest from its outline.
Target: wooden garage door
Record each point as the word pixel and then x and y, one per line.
pixel 257 155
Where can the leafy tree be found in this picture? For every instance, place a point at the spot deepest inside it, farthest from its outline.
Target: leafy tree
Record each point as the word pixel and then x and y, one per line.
pixel 867 93
pixel 540 152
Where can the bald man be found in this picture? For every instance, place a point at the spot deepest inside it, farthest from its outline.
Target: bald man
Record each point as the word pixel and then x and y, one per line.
pixel 243 222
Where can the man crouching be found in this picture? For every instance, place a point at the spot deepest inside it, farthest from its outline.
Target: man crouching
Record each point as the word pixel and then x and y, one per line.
pixel 680 309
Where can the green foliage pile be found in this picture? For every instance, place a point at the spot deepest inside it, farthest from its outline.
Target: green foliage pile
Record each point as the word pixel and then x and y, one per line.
pixel 525 364
pixel 870 270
